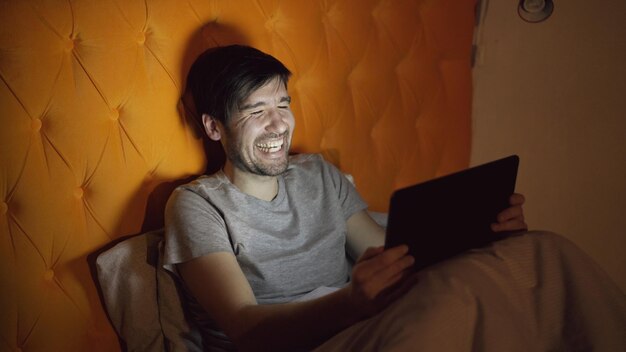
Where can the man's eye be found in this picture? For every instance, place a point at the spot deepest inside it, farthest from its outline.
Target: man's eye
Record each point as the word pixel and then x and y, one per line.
pixel 283 106
pixel 256 113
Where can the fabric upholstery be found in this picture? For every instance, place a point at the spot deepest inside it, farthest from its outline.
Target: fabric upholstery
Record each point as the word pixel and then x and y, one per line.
pixel 94 133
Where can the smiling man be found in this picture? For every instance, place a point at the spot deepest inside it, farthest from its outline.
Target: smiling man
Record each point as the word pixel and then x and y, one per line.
pixel 257 142
pixel 253 239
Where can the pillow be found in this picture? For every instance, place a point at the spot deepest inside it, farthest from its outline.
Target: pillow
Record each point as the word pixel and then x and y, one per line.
pixel 142 299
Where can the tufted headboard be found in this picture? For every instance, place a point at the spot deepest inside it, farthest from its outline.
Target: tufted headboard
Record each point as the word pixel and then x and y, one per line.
pixel 94 133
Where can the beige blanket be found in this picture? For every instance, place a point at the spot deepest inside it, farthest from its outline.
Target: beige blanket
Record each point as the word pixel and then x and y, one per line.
pixel 535 292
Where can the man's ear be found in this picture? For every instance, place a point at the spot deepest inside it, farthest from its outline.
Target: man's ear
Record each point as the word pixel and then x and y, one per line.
pixel 211 127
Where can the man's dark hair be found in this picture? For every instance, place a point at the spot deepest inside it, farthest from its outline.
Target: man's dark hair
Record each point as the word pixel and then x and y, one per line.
pixel 222 78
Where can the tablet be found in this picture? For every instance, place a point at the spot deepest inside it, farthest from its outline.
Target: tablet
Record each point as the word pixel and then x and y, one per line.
pixel 446 216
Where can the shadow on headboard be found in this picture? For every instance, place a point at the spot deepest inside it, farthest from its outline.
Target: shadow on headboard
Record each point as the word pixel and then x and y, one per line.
pixel 208 36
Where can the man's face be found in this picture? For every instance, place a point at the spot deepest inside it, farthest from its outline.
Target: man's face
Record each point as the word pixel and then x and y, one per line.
pixel 258 136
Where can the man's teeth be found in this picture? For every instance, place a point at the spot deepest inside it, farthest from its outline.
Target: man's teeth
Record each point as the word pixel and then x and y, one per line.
pixel 270 147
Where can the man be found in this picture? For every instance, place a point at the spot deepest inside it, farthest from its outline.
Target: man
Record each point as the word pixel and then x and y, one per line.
pixel 252 239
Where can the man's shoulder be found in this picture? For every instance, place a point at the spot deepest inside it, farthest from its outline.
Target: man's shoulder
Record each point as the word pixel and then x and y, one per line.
pixel 306 164
pixel 296 160
pixel 203 184
pixel 311 167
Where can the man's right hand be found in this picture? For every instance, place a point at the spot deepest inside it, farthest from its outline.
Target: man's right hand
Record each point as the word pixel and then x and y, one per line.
pixel 379 277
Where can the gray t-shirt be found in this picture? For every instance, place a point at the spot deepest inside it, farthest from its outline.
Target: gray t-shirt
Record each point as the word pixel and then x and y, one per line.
pixel 286 247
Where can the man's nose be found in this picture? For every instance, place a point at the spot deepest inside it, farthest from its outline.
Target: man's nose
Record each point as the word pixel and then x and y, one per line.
pixel 277 122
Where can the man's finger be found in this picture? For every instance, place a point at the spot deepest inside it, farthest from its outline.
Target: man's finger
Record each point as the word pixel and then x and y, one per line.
pixel 517 199
pixel 370 252
pixel 393 273
pixel 370 266
pixel 512 225
pixel 510 213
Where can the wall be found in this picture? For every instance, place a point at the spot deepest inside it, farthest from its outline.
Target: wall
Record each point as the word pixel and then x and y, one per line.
pixel 553 92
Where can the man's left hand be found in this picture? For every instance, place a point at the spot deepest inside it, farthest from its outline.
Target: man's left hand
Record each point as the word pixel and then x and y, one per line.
pixel 511 218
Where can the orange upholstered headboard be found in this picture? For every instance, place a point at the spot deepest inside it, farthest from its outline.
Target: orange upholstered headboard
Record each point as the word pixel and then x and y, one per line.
pixel 94 132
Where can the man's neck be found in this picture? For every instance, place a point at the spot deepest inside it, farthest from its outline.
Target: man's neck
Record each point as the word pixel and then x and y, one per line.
pixel 262 187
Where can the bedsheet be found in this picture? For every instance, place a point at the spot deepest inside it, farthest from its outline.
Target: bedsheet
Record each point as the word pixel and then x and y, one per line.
pixel 530 292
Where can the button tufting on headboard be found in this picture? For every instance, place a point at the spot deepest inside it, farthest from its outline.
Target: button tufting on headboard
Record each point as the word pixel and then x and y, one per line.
pixel 95 136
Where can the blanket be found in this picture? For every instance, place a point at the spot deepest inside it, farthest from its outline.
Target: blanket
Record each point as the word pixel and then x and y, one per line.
pixel 531 292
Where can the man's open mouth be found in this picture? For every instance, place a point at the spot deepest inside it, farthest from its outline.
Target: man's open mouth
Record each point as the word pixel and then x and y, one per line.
pixel 271 147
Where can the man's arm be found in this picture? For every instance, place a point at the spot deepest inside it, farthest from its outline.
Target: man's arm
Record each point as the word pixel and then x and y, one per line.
pixel 363 232
pixel 219 285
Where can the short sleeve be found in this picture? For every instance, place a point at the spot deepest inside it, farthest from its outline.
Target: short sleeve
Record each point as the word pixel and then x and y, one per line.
pixel 349 198
pixel 193 228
